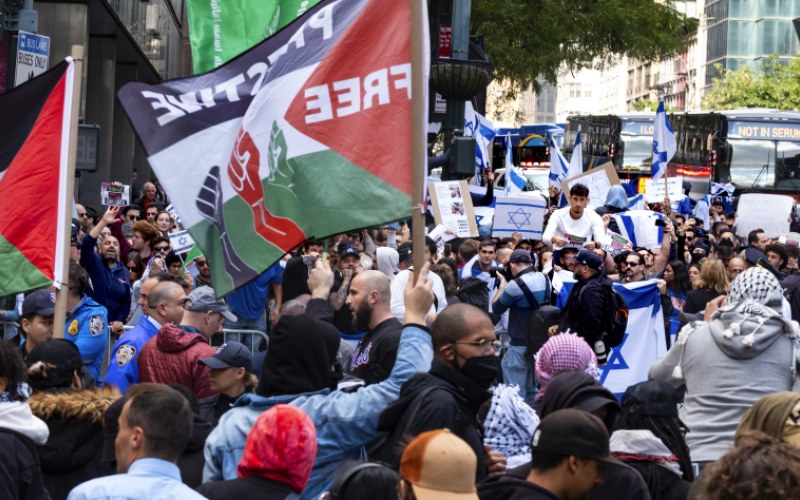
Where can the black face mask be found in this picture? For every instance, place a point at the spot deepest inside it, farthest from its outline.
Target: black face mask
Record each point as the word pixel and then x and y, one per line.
pixel 482 370
pixel 697 257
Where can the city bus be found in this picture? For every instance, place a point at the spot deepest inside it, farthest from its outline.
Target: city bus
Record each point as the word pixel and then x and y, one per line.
pixel 753 149
pixel 529 144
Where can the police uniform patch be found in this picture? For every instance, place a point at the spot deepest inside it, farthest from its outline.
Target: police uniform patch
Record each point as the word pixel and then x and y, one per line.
pixel 97 325
pixel 73 327
pixel 125 353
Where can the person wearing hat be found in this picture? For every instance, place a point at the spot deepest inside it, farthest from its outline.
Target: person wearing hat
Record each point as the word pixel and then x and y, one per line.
pixel 568 449
pixel 229 377
pixel 521 296
pixel 172 355
pixel 588 303
pixel 438 465
pixel 36 322
pixel 73 413
pixel 649 438
pixel 87 325
pixel 346 268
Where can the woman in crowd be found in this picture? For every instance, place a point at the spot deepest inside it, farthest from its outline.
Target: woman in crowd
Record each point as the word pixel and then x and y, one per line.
pixel 777 415
pixel 560 353
pixel 230 377
pixel 163 223
pixel 135 266
pixel 745 351
pixel 676 274
pixel 693 270
pixel 712 282
pixel 649 438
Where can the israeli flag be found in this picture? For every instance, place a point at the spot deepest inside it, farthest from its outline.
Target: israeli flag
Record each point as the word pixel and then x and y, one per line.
pixel 515 183
pixel 482 129
pixel 639 226
pixel 701 211
pixel 636 202
pixel 644 340
pixel 664 144
pixel 576 162
pixel 181 242
pixel 559 167
pixel 171 209
pixel 722 189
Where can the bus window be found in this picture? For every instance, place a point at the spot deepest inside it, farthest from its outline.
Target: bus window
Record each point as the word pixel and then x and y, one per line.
pixel 787 170
pixel 747 160
pixel 638 151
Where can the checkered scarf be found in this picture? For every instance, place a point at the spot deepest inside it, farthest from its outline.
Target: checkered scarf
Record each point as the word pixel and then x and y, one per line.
pixel 562 352
pixel 759 285
pixel 509 425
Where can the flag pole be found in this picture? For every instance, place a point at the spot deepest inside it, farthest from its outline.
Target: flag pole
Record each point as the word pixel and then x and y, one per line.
pixel 418 134
pixel 60 316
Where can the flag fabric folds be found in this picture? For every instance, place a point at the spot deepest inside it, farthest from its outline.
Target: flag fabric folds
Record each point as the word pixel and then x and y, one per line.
pixel 639 226
pixel 482 129
pixel 576 161
pixel 644 340
pixel 33 172
pixel 664 145
pixel 559 168
pixel 288 141
pixel 219 31
pixel 515 183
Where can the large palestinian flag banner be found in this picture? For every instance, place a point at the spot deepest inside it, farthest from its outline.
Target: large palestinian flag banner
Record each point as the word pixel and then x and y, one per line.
pixel 34 138
pixel 307 134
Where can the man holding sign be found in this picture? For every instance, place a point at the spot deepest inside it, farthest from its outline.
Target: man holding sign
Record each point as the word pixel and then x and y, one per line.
pixel 576 225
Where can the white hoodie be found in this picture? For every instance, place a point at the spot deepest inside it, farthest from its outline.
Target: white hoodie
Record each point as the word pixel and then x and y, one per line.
pixel 17 416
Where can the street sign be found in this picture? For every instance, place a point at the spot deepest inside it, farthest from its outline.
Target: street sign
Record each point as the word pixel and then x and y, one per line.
pixel 33 56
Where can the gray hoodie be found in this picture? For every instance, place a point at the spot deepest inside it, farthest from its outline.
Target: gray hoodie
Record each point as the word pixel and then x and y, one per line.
pixel 745 352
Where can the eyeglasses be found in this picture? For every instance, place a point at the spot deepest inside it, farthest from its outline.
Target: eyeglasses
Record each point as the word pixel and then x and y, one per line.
pixel 82 215
pixel 201 263
pixel 132 269
pixel 632 264
pixel 133 217
pixel 483 344
pixel 163 249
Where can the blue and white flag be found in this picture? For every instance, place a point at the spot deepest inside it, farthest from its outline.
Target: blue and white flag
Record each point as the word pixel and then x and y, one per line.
pixel 482 129
pixel 559 168
pixel 718 189
pixel 636 202
pixel 171 209
pixel 701 211
pixel 576 161
pixel 639 226
pixel 181 242
pixel 515 183
pixel 520 214
pixel 644 339
pixel 664 144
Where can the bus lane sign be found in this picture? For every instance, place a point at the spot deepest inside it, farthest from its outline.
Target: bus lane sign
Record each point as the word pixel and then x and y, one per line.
pixel 33 56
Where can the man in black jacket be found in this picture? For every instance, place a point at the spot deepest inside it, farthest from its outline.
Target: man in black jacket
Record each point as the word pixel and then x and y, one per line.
pixel 586 310
pixel 451 394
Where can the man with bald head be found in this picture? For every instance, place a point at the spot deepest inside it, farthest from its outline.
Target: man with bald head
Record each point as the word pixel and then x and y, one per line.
pixel 165 295
pixel 369 300
pixel 735 267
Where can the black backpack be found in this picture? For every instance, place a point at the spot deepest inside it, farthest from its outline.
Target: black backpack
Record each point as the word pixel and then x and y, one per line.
pixel 616 322
pixel 474 291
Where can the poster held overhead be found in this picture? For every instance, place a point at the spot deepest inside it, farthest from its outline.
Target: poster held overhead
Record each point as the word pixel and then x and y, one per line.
pixel 520 214
pixel 599 180
pixel 452 207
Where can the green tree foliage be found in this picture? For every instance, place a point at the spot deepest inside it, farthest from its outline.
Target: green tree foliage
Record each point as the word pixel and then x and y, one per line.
pixel 651 105
pixel 776 85
pixel 528 39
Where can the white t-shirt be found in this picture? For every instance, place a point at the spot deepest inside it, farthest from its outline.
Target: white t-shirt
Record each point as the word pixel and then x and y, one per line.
pixel 589 226
pixel 398 290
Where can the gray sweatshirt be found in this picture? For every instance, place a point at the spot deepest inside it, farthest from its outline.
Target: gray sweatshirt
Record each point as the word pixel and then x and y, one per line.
pixel 745 352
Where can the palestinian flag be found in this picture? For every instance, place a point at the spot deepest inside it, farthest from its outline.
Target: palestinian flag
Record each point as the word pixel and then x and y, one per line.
pixel 33 166
pixel 307 134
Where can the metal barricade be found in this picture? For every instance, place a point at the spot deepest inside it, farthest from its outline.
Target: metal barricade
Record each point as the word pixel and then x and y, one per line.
pixel 252 339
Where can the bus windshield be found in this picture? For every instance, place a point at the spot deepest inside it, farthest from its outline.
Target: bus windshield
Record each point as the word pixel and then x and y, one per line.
pixel 747 160
pixel 637 152
pixel 787 171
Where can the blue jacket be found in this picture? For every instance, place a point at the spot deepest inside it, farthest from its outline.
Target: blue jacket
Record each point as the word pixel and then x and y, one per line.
pixel 87 328
pixel 514 298
pixel 123 364
pixel 345 422
pixel 250 301
pixel 112 287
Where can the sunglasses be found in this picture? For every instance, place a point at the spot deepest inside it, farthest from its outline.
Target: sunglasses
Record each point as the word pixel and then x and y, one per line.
pixel 132 269
pixel 201 263
pixel 632 264
pixel 134 217
pixel 82 215
pixel 162 249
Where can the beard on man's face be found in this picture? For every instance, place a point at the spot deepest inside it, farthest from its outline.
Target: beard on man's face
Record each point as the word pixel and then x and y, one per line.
pixel 361 317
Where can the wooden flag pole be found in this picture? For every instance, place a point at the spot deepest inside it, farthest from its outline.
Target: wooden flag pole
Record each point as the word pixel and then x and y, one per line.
pixel 418 135
pixel 60 316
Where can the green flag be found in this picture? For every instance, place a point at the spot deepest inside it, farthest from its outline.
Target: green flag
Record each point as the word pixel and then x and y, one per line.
pixel 219 31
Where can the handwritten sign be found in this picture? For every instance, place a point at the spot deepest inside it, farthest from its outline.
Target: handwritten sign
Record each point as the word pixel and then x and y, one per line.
pixel 769 212
pixel 519 214
pixel 599 181
pixel 452 207
pixel 654 191
pixel 115 195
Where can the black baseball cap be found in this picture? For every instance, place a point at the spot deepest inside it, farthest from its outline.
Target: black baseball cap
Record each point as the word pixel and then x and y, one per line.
pixel 404 252
pixel 345 250
pixel 59 352
pixel 653 398
pixel 520 256
pixel 39 303
pixel 588 258
pixel 573 432
pixel 229 355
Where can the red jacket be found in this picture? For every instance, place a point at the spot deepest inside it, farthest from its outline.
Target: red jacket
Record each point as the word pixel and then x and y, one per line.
pixel 171 358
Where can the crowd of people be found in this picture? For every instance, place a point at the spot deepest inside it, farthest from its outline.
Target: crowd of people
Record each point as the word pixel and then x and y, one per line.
pixel 343 372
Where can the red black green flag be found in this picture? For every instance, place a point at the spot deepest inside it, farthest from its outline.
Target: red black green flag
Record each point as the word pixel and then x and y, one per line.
pixel 307 134
pixel 33 166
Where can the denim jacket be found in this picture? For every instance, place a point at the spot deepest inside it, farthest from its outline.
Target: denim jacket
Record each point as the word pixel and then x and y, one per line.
pixel 345 422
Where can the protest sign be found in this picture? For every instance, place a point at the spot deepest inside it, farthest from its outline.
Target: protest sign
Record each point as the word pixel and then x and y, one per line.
pixel 115 195
pixel 789 239
pixel 615 243
pixel 768 212
pixel 654 191
pixel 452 207
pixel 441 235
pixel 519 214
pixel 599 180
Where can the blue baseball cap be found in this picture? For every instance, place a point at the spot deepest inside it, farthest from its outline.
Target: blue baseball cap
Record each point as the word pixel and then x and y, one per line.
pixel 229 355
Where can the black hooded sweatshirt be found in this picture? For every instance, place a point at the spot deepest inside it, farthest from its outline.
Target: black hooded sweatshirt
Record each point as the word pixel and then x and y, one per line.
pixel 453 404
